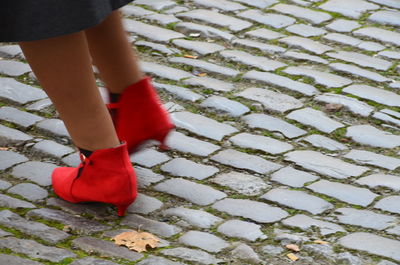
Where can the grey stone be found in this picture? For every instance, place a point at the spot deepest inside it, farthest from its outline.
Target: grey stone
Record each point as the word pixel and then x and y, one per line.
pixel 364 218
pixel 272 250
pixel 191 145
pixel 220 4
pixel 53 127
pixel 144 204
pixel 344 192
pixel 162 19
pixel 224 105
pixel 75 222
pixel 149 157
pixel 250 60
pixel 370 158
pixel 156 227
pixel 372 244
pixel 322 78
pixel 197 193
pixel 197 218
pixel 151 32
pixel 21 118
pixel 299 200
pixel 157 4
pixel 343 25
pixel 371 46
pixel 269 19
pixel 209 83
pixel 321 251
pixel 258 142
pixel 381 180
pixel 72 160
pixel 281 81
pixel 256 211
pixel 201 47
pixel 163 71
pixel 10 51
pixel 265 34
pixel 38 172
pixel 10 158
pixel 105 248
pixel 240 229
pixel 361 59
pixel 152 260
pixel 146 177
pixel 292 177
pixel 284 237
pixel 349 8
pixel 172 107
pixel 273 124
pixel 135 11
pixel 390 54
pixel 201 125
pixel 271 100
pixel 242 160
pixel 40 105
pixel 182 167
pixel 44 232
pixel 315 17
pixel 306 223
pixel 205 66
pixel 352 104
pixel 267 48
pixel 321 141
pixel 369 135
pixel 390 3
pixel 198 256
pixel 386 36
pixel 242 183
pixel 215 18
pixel 157 47
pixel 179 92
pixel 325 165
pixel 385 262
pixel 204 31
pixel 386 118
pixel 29 191
pixel 10 202
pixel 347 258
pixel 205 241
pixel 376 94
pixel 305 30
pixel 4 184
pixel 258 3
pixel 389 204
pixel 97 210
pixel 20 93
pixel 15 260
pixel 35 250
pixel 316 119
pixel 92 261
pixel 246 253
pixel 300 56
pixel 13 68
pixel 51 148
pixel 306 44
pixel 342 39
pixel 10 136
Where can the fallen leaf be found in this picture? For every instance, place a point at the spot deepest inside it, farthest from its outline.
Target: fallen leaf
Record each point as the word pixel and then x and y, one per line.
pixel 4 148
pixel 67 228
pixel 320 242
pixel 202 74
pixel 190 56
pixel 137 241
pixel 292 257
pixel 293 247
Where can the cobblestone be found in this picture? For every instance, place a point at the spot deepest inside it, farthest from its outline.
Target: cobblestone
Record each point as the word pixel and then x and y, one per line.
pixel 322 78
pixel 204 31
pixel 149 158
pixel 179 92
pixel 305 30
pixel 242 183
pixel 53 127
pixel 182 167
pixel 306 223
pixel 266 48
pixel 259 62
pixel 293 177
pixel 361 60
pixel 197 218
pixel 321 141
pixel 246 253
pixel 198 256
pixel 352 8
pixel 364 218
pixel 262 143
pixel 369 135
pixel 187 144
pixel 306 44
pixel 14 260
pixel 370 158
pixel 389 204
pixel 265 34
pixel 10 136
pixel 92 261
pixel 273 20
pixel 21 118
pixel 20 93
pixel 156 227
pixel 300 56
pixel 38 172
pixel 206 66
pixel 379 34
pixel 10 158
pixel 209 83
pixel 13 68
pixel 152 260
pixel 29 191
pixel 52 148
pixel 357 71
pixel 315 17
pixel 343 25
pixel 204 241
pixel 226 106
pixel 164 71
pixel 150 32
pixel 201 47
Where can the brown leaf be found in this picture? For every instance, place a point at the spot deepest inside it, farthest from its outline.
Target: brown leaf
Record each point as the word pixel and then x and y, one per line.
pixel 320 242
pixel 137 241
pixel 190 56
pixel 202 74
pixel 292 257
pixel 293 247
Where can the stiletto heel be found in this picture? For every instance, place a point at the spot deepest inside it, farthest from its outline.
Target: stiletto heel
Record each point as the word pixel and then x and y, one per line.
pixel 122 209
pixel 162 138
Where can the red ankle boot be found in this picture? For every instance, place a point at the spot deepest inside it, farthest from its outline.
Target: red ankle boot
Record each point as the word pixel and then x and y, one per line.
pixel 139 115
pixel 106 176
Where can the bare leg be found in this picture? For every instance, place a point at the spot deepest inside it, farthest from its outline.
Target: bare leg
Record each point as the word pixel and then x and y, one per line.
pixel 63 68
pixel 113 54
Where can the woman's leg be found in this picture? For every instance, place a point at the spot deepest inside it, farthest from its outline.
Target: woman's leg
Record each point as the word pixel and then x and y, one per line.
pixel 63 68
pixel 113 54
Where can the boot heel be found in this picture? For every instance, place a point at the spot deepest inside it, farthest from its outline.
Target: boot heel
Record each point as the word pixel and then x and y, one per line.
pixel 162 137
pixel 122 209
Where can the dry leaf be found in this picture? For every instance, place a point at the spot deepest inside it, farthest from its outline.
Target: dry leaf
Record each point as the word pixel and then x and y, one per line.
pixel 4 148
pixel 137 241
pixel 293 247
pixel 202 74
pixel 292 257
pixel 320 242
pixel 190 56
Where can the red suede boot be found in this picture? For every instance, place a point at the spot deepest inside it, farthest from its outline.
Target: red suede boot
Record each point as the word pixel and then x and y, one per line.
pixel 139 116
pixel 106 176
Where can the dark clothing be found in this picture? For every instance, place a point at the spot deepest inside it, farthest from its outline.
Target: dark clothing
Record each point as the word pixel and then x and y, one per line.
pixel 28 20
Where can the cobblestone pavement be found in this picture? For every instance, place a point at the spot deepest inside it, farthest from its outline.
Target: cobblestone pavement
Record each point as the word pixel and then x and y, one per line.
pixel 288 132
